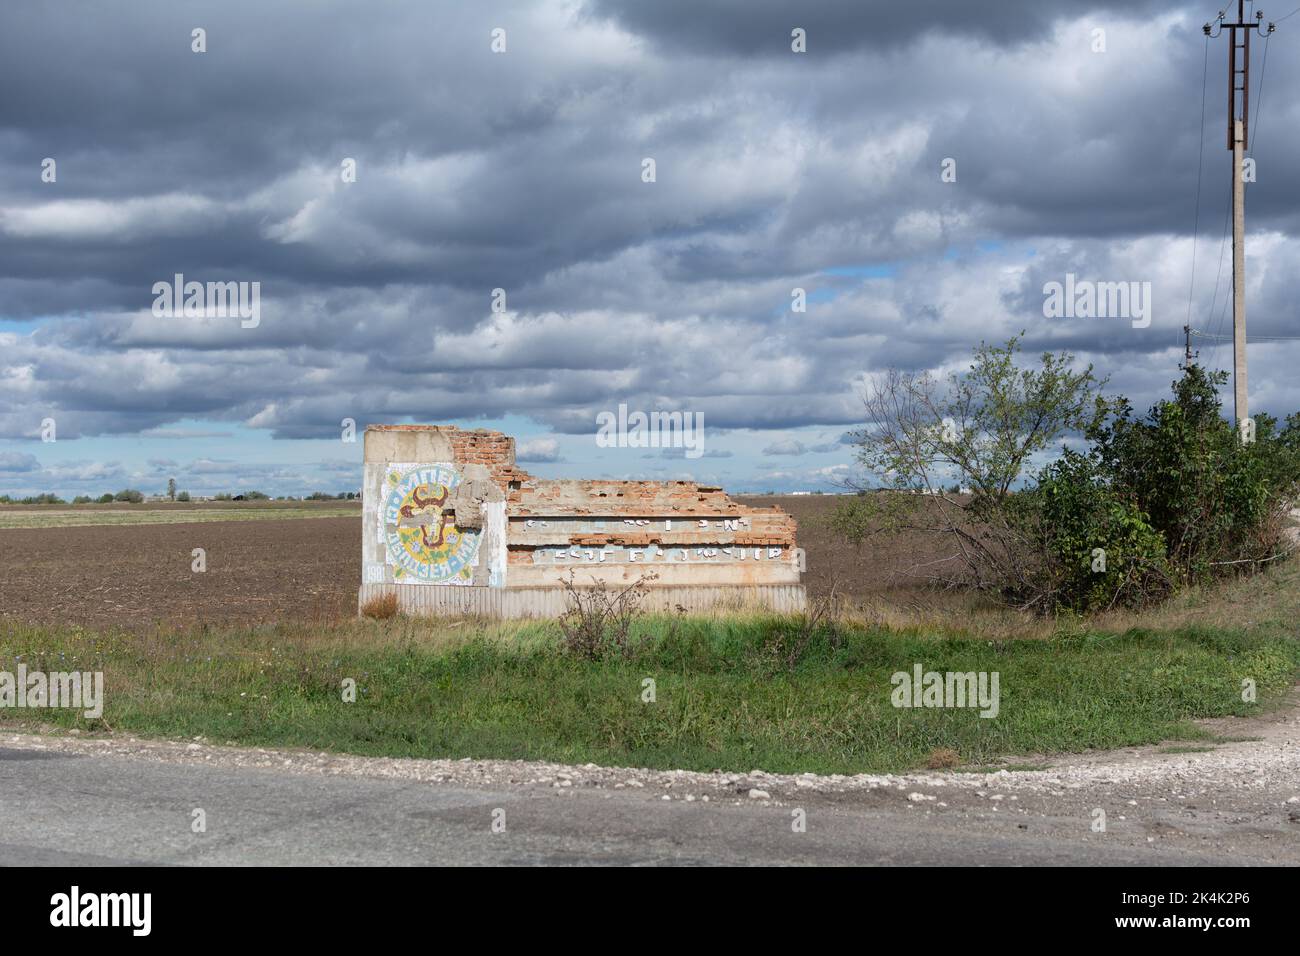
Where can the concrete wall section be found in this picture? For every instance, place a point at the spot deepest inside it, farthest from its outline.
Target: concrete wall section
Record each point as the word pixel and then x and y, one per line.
pixel 433 506
pixel 446 509
pixel 516 602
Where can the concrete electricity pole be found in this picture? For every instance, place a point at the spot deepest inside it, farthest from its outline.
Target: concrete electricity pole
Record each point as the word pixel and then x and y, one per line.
pixel 1238 129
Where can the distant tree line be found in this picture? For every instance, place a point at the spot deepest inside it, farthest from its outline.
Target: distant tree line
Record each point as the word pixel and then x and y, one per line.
pixel 130 495
pixel 134 496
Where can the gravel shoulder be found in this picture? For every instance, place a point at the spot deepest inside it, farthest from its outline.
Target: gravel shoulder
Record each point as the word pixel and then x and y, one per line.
pixel 1236 802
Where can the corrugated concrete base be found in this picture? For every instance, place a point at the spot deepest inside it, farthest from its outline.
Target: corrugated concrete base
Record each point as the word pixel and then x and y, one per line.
pixel 435 601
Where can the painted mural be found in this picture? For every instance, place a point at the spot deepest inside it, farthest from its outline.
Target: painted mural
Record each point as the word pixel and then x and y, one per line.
pixel 422 543
pixel 652 554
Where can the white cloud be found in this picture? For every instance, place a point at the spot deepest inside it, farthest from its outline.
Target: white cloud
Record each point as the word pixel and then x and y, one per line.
pixel 538 450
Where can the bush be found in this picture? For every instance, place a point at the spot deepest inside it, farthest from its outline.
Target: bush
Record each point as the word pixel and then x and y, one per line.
pixel 104 499
pixel 1219 503
pixel 943 758
pixel 1170 499
pixel 1093 549
pixel 129 494
pixel 1173 498
pixel 598 620
pixel 381 607
pixel 81 500
pixel 183 496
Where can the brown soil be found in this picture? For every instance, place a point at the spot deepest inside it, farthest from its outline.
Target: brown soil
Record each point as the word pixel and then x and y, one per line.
pixel 137 577
pixel 885 565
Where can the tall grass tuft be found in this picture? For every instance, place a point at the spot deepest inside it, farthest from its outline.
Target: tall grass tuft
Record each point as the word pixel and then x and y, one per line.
pixel 381 607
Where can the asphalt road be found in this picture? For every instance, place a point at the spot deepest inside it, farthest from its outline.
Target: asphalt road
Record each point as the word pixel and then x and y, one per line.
pixel 70 808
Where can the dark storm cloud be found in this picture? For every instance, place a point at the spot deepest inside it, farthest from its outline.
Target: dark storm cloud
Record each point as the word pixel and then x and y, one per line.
pixel 762 27
pixel 522 172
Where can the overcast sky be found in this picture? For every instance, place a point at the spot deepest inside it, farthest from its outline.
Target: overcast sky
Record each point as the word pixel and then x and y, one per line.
pixel 523 170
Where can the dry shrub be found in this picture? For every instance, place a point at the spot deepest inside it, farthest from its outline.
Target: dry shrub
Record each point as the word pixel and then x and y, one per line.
pixel 942 758
pixel 787 643
pixel 598 619
pixel 381 606
pixel 822 615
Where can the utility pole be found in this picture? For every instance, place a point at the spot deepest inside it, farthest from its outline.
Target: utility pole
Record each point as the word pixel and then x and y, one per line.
pixel 1238 128
pixel 1188 357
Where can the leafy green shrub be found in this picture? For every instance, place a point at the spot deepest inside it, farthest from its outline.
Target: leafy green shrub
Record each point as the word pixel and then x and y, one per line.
pixel 1096 550
pixel 1157 502
pixel 1219 502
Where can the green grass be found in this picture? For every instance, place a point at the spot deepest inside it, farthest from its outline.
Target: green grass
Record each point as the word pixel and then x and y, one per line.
pixel 726 697
pixel 84 516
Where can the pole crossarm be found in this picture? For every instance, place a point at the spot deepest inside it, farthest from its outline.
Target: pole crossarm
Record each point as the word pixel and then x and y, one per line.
pixel 1239 34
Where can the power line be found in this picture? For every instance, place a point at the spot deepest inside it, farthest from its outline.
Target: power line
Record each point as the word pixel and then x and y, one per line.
pixel 1218 277
pixel 1200 165
pixel 1254 338
pixel 1259 94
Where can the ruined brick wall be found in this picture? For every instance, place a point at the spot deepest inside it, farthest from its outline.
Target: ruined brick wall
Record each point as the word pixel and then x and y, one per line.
pixel 492 450
pixel 445 506
pixel 617 531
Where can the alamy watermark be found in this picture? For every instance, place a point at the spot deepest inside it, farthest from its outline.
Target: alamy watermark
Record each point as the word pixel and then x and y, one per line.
pixel 923 688
pixel 652 430
pixel 130 910
pixel 212 300
pixel 75 690
pixel 1085 299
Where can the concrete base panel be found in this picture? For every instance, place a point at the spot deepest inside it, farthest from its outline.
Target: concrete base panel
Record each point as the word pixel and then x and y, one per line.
pixel 427 601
